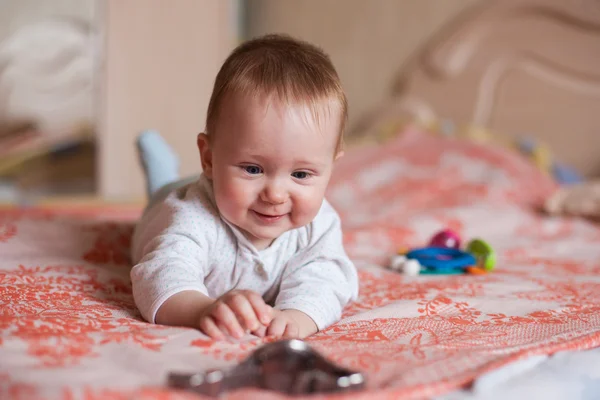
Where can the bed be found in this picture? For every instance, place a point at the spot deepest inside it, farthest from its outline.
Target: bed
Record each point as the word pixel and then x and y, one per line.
pixel 435 154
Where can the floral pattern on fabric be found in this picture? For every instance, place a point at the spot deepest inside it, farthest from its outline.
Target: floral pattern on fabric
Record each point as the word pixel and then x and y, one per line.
pixel 69 328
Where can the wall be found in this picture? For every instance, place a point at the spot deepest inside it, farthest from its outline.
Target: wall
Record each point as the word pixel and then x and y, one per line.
pixel 160 63
pixel 368 40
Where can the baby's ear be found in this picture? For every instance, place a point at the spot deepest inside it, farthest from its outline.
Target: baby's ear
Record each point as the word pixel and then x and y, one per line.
pixel 339 155
pixel 205 154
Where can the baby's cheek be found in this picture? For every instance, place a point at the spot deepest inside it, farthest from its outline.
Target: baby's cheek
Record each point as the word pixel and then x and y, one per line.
pixel 307 206
pixel 231 196
pixel 232 192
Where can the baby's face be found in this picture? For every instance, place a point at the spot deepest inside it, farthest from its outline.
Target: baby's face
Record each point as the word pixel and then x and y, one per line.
pixel 270 164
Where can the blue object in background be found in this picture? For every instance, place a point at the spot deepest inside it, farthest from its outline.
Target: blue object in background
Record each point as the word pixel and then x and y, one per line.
pixel 442 258
pixel 562 173
pixel 565 175
pixel 526 145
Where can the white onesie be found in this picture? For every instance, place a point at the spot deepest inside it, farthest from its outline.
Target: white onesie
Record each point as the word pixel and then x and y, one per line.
pixel 182 243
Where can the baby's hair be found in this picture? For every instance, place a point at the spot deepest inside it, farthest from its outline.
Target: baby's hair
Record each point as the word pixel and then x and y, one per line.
pixel 294 70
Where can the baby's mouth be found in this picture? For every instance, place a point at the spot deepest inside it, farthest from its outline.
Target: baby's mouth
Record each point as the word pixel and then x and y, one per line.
pixel 268 217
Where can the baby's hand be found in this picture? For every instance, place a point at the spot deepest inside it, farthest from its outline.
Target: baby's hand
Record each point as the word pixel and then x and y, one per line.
pixel 234 313
pixel 291 324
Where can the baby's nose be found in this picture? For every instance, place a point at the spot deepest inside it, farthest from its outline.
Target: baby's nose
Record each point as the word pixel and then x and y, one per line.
pixel 274 194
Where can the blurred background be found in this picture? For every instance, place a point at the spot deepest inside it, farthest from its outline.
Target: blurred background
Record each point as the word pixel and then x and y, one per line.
pixel 48 70
pixel 80 78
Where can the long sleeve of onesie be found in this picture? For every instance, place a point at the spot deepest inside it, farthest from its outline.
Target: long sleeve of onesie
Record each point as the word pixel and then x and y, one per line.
pixel 168 256
pixel 321 280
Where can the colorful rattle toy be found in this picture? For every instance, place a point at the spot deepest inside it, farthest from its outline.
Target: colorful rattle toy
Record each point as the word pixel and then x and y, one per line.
pixel 443 256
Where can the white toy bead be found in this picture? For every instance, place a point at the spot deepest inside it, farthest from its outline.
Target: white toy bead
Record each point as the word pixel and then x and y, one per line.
pixel 397 262
pixel 411 268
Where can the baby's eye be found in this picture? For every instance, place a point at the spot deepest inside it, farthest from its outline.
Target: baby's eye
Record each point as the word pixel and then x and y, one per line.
pixel 252 169
pixel 301 174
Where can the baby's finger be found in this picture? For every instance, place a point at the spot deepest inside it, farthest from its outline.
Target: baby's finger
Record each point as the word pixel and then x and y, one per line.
pixel 240 305
pixel 291 331
pixel 277 327
pixel 260 332
pixel 263 311
pixel 223 329
pixel 209 327
pixel 225 317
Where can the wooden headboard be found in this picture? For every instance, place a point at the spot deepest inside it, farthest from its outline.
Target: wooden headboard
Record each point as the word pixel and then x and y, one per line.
pixel 517 67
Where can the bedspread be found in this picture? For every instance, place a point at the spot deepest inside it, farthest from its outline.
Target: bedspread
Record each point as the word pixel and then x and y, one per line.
pixel 69 327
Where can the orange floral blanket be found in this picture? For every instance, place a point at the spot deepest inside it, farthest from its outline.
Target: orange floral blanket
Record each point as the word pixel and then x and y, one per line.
pixel 69 328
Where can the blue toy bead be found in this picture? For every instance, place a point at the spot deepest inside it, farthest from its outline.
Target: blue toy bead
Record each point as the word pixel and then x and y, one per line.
pixel 442 258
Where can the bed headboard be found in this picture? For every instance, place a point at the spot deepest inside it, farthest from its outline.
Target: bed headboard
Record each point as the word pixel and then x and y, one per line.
pixel 517 67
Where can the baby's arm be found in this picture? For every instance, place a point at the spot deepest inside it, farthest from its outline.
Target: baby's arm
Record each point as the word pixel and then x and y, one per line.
pixel 318 284
pixel 171 251
pixel 171 261
pixel 183 309
pixel 168 289
pixel 230 315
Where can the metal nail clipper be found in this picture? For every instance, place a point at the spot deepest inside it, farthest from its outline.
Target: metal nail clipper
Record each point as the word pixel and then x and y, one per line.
pixel 289 366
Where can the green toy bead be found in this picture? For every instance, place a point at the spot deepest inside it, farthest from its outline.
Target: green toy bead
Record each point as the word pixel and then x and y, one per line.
pixel 483 252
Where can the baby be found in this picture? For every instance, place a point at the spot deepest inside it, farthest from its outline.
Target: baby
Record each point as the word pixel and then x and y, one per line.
pixel 251 246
